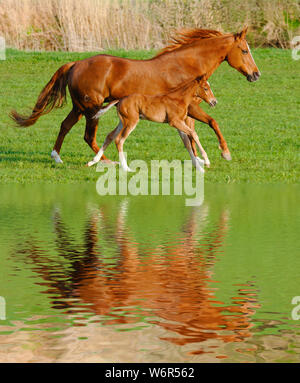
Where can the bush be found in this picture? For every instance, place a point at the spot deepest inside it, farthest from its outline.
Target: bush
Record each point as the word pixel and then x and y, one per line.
pixel 94 25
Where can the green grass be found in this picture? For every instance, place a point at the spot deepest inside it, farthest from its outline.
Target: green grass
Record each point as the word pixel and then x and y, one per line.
pixel 260 122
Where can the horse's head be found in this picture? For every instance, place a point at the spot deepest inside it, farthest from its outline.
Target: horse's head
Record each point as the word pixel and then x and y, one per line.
pixel 204 91
pixel 240 58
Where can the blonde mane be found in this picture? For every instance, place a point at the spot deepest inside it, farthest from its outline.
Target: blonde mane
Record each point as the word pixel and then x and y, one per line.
pixel 188 36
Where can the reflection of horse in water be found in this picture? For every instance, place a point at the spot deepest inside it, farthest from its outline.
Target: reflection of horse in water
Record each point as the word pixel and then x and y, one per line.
pixel 172 282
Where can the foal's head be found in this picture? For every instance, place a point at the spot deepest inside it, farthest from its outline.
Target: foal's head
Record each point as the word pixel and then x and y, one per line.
pixel 240 58
pixel 204 91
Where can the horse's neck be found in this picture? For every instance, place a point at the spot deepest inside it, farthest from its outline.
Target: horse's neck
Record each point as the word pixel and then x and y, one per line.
pixel 199 58
pixel 212 52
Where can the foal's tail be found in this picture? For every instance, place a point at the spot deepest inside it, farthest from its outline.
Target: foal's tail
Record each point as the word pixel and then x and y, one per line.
pixel 105 109
pixel 52 96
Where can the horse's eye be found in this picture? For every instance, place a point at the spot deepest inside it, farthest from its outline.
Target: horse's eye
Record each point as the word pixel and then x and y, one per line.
pixel 244 51
pixel 205 89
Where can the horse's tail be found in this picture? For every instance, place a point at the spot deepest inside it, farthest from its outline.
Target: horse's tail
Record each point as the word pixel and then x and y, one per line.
pixel 52 96
pixel 106 108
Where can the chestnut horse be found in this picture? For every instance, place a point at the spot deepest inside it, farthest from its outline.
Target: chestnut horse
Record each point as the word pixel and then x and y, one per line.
pixel 171 108
pixel 104 78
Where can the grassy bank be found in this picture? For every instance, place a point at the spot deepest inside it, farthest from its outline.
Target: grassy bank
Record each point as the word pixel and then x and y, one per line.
pixel 72 25
pixel 260 122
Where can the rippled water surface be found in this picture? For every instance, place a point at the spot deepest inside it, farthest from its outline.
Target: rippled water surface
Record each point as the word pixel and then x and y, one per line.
pixel 147 279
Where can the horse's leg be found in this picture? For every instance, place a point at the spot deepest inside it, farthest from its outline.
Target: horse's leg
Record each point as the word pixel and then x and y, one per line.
pixel 129 126
pixel 109 138
pixel 190 144
pixel 190 123
pixel 187 143
pixel 180 125
pixel 202 151
pixel 73 117
pixel 196 112
pixel 90 135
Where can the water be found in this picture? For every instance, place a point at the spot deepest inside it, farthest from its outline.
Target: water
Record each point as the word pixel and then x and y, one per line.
pixel 146 279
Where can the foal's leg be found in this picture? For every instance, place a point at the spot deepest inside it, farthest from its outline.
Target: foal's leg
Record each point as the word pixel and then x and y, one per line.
pixel 179 124
pixel 109 138
pixel 73 117
pixel 190 122
pixel 189 144
pixel 197 113
pixel 129 126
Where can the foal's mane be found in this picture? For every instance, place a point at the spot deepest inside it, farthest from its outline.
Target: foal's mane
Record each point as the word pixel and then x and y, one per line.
pixel 187 84
pixel 188 36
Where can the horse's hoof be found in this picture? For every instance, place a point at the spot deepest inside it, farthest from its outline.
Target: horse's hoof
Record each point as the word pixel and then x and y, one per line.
pixel 127 170
pixel 200 161
pixel 206 162
pixel 89 164
pixel 226 156
pixel 56 157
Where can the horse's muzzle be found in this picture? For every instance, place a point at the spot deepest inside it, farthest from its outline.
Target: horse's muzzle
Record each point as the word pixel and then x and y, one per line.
pixel 213 103
pixel 253 77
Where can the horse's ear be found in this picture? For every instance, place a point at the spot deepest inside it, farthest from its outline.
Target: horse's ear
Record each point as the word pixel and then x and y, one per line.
pixel 241 35
pixel 244 32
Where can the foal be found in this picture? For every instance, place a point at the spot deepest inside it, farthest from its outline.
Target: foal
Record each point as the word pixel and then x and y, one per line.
pixel 171 108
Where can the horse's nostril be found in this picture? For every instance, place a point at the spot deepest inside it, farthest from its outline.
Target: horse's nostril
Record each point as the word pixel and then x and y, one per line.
pixel 255 76
pixel 250 77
